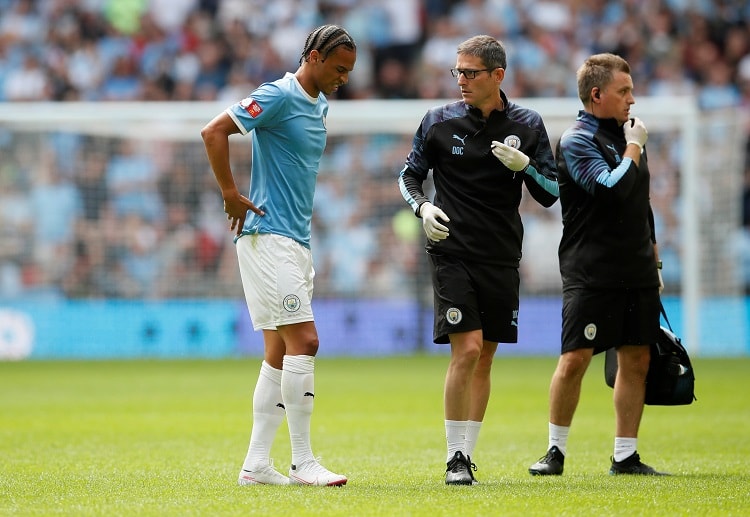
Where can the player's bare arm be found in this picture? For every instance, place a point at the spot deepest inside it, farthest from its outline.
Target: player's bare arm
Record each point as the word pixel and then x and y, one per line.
pixel 216 139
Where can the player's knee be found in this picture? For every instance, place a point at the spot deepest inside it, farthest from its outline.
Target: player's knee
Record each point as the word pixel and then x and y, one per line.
pixel 466 356
pixel 633 360
pixel 572 365
pixel 310 346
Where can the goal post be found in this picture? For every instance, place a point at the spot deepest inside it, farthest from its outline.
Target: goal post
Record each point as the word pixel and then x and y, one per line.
pixel 696 161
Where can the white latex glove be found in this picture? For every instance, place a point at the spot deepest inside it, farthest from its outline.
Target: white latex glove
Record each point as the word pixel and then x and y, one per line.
pixel 432 219
pixel 635 132
pixel 512 158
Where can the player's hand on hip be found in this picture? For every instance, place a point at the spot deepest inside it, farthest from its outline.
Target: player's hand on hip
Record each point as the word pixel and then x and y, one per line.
pixel 236 208
pixel 432 222
pixel 512 158
pixel 635 132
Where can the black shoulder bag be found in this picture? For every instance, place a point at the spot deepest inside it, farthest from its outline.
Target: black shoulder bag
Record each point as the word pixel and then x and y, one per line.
pixel 671 379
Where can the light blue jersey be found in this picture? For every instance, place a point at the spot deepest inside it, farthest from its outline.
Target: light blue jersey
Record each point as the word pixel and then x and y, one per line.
pixel 289 136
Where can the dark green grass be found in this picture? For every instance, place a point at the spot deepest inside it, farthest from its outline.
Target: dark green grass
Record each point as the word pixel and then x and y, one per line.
pixel 168 438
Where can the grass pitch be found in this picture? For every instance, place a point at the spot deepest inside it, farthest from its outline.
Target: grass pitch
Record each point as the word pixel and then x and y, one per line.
pixel 163 438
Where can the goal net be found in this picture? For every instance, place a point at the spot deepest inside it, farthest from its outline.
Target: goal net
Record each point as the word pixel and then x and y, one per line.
pixel 117 202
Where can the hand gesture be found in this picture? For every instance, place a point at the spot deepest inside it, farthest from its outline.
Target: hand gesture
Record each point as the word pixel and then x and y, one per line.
pixel 635 132
pixel 236 207
pixel 512 158
pixel 432 219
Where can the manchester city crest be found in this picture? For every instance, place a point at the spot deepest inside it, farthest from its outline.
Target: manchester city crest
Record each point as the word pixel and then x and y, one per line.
pixel 513 141
pixel 453 316
pixel 291 303
pixel 589 332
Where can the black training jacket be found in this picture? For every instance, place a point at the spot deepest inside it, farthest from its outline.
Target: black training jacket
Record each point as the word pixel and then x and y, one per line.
pixel 608 226
pixel 477 192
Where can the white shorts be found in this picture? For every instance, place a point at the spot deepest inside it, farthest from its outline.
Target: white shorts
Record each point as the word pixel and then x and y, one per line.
pixel 277 277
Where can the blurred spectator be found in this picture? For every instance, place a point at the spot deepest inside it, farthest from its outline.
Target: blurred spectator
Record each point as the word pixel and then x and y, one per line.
pixel 139 256
pixel 132 180
pixel 176 254
pixel 123 82
pixel 85 70
pixel 718 90
pixel 170 15
pixel 180 186
pixel 57 208
pixel 669 80
pixel 92 182
pixel 29 82
pixel 22 24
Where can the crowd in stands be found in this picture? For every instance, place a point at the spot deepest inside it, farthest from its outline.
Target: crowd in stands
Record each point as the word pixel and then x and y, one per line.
pixel 133 221
pixel 218 49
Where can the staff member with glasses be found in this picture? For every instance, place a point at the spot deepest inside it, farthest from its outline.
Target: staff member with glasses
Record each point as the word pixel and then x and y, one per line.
pixel 481 150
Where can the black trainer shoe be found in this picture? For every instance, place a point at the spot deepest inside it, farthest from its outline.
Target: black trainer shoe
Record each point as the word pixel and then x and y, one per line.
pixel 459 470
pixel 551 464
pixel 632 465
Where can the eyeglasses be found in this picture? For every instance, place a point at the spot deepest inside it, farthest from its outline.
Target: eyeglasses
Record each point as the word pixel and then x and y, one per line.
pixel 469 74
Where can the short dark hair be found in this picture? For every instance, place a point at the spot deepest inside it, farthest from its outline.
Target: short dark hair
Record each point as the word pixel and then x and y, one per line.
pixel 597 72
pixel 486 48
pixel 326 38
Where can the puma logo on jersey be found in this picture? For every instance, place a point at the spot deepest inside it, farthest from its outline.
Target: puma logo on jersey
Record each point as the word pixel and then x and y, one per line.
pixel 459 150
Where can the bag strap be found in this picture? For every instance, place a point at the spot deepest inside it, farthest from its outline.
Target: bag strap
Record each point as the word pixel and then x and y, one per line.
pixel 664 314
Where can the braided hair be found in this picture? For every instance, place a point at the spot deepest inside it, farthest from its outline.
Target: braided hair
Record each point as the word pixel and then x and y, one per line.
pixel 326 38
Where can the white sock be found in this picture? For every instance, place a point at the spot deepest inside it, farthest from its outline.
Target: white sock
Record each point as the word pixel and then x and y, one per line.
pixel 624 447
pixel 472 435
pixel 558 437
pixel 298 390
pixel 268 413
pixel 455 435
